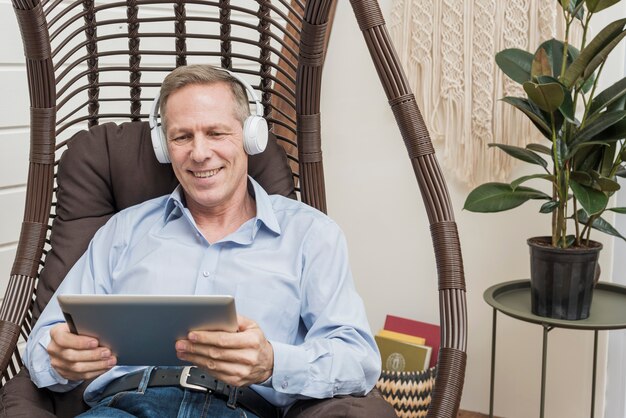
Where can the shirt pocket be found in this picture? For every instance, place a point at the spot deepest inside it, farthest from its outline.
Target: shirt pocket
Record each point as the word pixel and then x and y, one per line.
pixel 276 313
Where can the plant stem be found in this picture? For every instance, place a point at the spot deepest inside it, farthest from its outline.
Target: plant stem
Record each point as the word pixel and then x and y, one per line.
pixel 585 29
pixel 568 23
pixel 591 219
pixel 591 95
pixel 576 222
pixel 618 160
pixel 564 192
pixel 556 228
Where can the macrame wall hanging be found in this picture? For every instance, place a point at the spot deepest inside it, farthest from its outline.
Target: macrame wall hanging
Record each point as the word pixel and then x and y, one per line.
pixel 447 48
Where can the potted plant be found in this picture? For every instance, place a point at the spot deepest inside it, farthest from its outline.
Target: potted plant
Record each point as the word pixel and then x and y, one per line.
pixel 583 154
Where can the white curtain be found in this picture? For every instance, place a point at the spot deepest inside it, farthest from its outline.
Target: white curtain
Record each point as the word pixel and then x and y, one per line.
pixel 447 48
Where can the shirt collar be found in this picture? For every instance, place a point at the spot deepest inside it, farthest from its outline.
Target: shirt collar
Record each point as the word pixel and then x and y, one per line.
pixel 264 210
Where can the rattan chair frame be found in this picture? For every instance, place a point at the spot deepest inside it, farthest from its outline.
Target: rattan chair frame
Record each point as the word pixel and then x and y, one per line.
pixel 290 85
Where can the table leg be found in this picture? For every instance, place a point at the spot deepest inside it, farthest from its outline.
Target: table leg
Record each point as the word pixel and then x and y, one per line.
pixel 493 362
pixel 546 329
pixel 595 368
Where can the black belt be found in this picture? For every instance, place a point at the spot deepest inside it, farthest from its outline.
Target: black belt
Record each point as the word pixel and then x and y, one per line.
pixel 196 379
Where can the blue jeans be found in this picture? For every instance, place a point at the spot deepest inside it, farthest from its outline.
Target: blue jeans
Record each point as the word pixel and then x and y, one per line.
pixel 163 402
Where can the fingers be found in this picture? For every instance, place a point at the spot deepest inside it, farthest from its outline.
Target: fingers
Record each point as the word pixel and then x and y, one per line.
pixel 77 357
pixel 62 336
pixel 233 373
pixel 245 323
pixel 239 359
pixel 249 335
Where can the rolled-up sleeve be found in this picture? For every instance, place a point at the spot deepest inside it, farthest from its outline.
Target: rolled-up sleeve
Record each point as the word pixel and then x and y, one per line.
pixel 81 279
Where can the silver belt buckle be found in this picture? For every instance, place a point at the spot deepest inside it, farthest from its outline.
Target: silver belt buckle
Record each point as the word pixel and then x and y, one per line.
pixel 184 375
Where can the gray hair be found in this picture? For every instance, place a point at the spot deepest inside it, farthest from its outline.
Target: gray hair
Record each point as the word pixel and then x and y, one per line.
pixel 203 74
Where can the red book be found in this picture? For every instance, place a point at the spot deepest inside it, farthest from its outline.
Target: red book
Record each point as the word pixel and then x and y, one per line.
pixel 418 329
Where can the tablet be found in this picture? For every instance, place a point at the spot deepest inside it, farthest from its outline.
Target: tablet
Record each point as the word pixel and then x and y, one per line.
pixel 141 330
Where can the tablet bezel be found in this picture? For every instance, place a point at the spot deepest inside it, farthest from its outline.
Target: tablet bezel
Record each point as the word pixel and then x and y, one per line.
pixel 142 330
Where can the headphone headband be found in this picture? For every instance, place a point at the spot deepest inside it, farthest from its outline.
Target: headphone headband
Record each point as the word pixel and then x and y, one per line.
pixel 255 130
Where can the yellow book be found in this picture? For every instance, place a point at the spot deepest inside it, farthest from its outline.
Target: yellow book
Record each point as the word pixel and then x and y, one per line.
pixel 398 336
pixel 401 356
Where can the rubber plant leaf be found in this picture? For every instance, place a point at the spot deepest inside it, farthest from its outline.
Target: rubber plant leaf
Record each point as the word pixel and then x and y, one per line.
pixel 615 132
pixel 602 55
pixel 533 113
pixel 597 44
pixel 608 185
pixel 619 104
pixel 608 96
pixel 562 151
pixel 581 177
pixel 553 50
pixel 498 197
pixel 597 125
pixel 588 84
pixel 575 149
pixel 515 63
pixel 548 97
pixel 595 6
pixel 592 201
pixel 621 210
pixel 604 183
pixel 541 64
pixel 549 207
pixel 567 107
pixel 608 157
pixel 539 148
pixel 522 154
pixel 515 184
pixel 599 224
pixel 573 7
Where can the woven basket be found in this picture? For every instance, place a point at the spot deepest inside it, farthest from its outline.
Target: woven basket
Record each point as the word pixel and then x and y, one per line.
pixel 408 392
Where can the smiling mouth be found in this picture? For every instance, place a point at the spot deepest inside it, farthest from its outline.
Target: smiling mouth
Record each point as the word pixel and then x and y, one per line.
pixel 206 174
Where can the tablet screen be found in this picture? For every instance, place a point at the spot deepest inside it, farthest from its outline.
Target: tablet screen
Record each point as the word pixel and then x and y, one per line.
pixel 141 330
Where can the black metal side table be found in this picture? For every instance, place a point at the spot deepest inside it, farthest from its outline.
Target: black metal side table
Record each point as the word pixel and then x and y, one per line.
pixel 608 311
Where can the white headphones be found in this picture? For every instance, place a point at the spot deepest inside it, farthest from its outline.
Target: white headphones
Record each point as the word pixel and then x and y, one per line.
pixel 254 127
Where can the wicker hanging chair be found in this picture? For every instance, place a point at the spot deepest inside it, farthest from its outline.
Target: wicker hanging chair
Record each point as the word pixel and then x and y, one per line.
pixel 92 62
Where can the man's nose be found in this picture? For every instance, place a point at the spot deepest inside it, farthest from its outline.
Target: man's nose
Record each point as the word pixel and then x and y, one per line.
pixel 201 149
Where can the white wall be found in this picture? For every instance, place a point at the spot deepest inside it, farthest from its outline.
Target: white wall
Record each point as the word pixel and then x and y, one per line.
pixel 372 193
pixel 14 116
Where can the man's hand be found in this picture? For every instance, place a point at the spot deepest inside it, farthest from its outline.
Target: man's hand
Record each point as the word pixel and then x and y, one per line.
pixel 77 357
pixel 237 358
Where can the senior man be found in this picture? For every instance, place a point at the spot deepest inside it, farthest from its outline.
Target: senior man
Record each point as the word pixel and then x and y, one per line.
pixel 303 334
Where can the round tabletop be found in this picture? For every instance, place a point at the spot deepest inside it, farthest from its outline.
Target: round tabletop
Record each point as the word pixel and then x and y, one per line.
pixel 608 306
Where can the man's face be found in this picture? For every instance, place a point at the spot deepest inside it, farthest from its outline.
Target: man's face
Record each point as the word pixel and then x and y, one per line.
pixel 205 143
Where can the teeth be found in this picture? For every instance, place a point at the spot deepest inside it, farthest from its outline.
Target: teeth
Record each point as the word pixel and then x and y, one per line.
pixel 205 174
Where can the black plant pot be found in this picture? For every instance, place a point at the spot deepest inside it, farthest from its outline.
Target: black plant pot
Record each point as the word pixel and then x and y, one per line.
pixel 562 280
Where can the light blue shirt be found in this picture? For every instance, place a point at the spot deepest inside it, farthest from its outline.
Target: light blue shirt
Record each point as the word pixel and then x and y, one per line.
pixel 287 268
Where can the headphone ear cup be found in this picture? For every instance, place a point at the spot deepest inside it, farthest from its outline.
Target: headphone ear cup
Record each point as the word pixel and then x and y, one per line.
pixel 159 144
pixel 255 134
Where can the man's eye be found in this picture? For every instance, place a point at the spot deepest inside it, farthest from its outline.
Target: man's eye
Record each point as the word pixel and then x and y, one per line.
pixel 181 138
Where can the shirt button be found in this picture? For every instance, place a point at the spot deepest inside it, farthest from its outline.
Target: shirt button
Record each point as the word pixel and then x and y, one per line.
pixel 206 273
pixel 284 385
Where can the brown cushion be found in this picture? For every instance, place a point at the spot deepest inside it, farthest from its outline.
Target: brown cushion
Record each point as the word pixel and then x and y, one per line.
pixel 110 168
pixel 20 398
pixel 371 405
